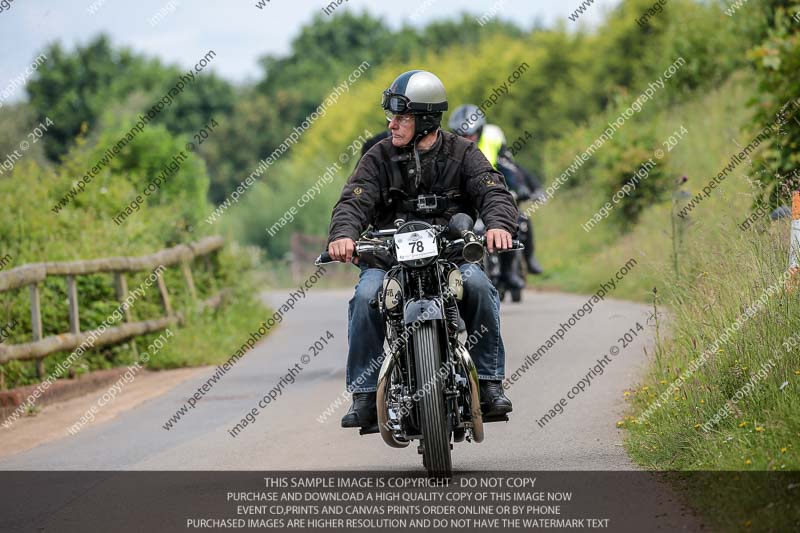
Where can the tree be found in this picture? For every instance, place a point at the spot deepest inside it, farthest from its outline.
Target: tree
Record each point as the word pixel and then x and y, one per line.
pixel 250 132
pixel 324 53
pixel 777 60
pixel 73 88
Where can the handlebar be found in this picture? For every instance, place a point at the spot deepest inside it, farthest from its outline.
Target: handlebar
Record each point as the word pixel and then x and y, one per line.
pixel 362 247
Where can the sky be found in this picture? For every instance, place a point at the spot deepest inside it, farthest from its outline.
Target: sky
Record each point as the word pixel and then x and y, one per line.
pixel 239 32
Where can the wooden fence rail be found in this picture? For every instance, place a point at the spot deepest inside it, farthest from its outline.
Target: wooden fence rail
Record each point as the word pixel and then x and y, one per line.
pixel 33 274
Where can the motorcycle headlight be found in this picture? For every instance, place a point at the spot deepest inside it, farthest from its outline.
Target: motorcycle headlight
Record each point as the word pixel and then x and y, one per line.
pixel 392 293
pixel 456 283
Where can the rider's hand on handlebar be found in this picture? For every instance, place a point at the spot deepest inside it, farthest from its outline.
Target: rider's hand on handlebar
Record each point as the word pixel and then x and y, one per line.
pixel 342 249
pixel 497 239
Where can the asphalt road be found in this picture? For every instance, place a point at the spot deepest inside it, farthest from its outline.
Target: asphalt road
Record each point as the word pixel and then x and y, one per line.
pixel 287 434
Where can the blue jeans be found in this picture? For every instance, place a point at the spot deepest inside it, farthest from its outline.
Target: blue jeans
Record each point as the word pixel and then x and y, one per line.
pixel 366 332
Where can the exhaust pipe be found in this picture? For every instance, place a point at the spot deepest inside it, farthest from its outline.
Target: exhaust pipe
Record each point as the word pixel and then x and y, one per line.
pixel 384 378
pixel 474 392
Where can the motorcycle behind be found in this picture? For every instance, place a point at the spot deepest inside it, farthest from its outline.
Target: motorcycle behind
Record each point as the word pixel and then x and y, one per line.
pixel 427 386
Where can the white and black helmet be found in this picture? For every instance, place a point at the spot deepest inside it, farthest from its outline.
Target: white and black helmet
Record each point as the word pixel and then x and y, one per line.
pixel 467 119
pixel 420 93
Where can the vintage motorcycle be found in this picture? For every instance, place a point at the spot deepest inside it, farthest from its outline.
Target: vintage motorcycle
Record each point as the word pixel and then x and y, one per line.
pixel 428 385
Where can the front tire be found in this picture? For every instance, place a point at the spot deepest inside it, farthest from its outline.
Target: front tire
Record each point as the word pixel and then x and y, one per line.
pixel 432 412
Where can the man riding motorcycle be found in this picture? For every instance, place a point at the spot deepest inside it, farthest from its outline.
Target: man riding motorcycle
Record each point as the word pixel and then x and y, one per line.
pixel 421 173
pixel 469 121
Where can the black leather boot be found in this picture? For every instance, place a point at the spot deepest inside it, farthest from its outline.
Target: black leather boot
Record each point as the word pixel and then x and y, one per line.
pixel 507 272
pixel 493 399
pixel 363 413
pixel 533 265
pixel 530 258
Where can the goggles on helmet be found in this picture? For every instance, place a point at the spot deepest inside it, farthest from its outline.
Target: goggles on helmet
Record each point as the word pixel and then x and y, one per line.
pixel 399 104
pixel 396 103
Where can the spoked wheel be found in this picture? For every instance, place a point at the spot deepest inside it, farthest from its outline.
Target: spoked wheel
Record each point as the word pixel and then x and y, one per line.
pixel 433 416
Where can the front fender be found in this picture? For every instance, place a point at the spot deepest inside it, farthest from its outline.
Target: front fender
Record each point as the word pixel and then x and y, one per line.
pixel 423 311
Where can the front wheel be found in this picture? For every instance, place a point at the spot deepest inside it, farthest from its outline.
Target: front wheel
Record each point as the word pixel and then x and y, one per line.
pixel 432 412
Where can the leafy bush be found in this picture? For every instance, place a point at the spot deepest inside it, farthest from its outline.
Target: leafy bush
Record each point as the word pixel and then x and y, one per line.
pixel 632 169
pixel 31 232
pixel 73 88
pixel 777 60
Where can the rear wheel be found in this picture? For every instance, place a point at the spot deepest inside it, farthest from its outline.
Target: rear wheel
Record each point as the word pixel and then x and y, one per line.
pixel 433 415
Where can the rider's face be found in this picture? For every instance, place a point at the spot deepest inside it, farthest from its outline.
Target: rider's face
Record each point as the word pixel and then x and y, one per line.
pixel 402 128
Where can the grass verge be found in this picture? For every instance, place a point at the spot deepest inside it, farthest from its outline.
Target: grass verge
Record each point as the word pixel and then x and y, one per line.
pixel 705 273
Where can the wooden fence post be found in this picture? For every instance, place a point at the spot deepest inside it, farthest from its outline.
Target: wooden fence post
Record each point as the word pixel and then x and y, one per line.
pixel 74 316
pixel 36 325
pixel 121 286
pixel 32 275
pixel 187 275
pixel 162 289
pixel 209 268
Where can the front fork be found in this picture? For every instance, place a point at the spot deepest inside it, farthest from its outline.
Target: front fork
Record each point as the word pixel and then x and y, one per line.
pixel 464 360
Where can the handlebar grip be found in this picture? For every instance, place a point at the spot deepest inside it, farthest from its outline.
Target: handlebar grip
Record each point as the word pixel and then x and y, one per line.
pixel 324 257
pixel 515 246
